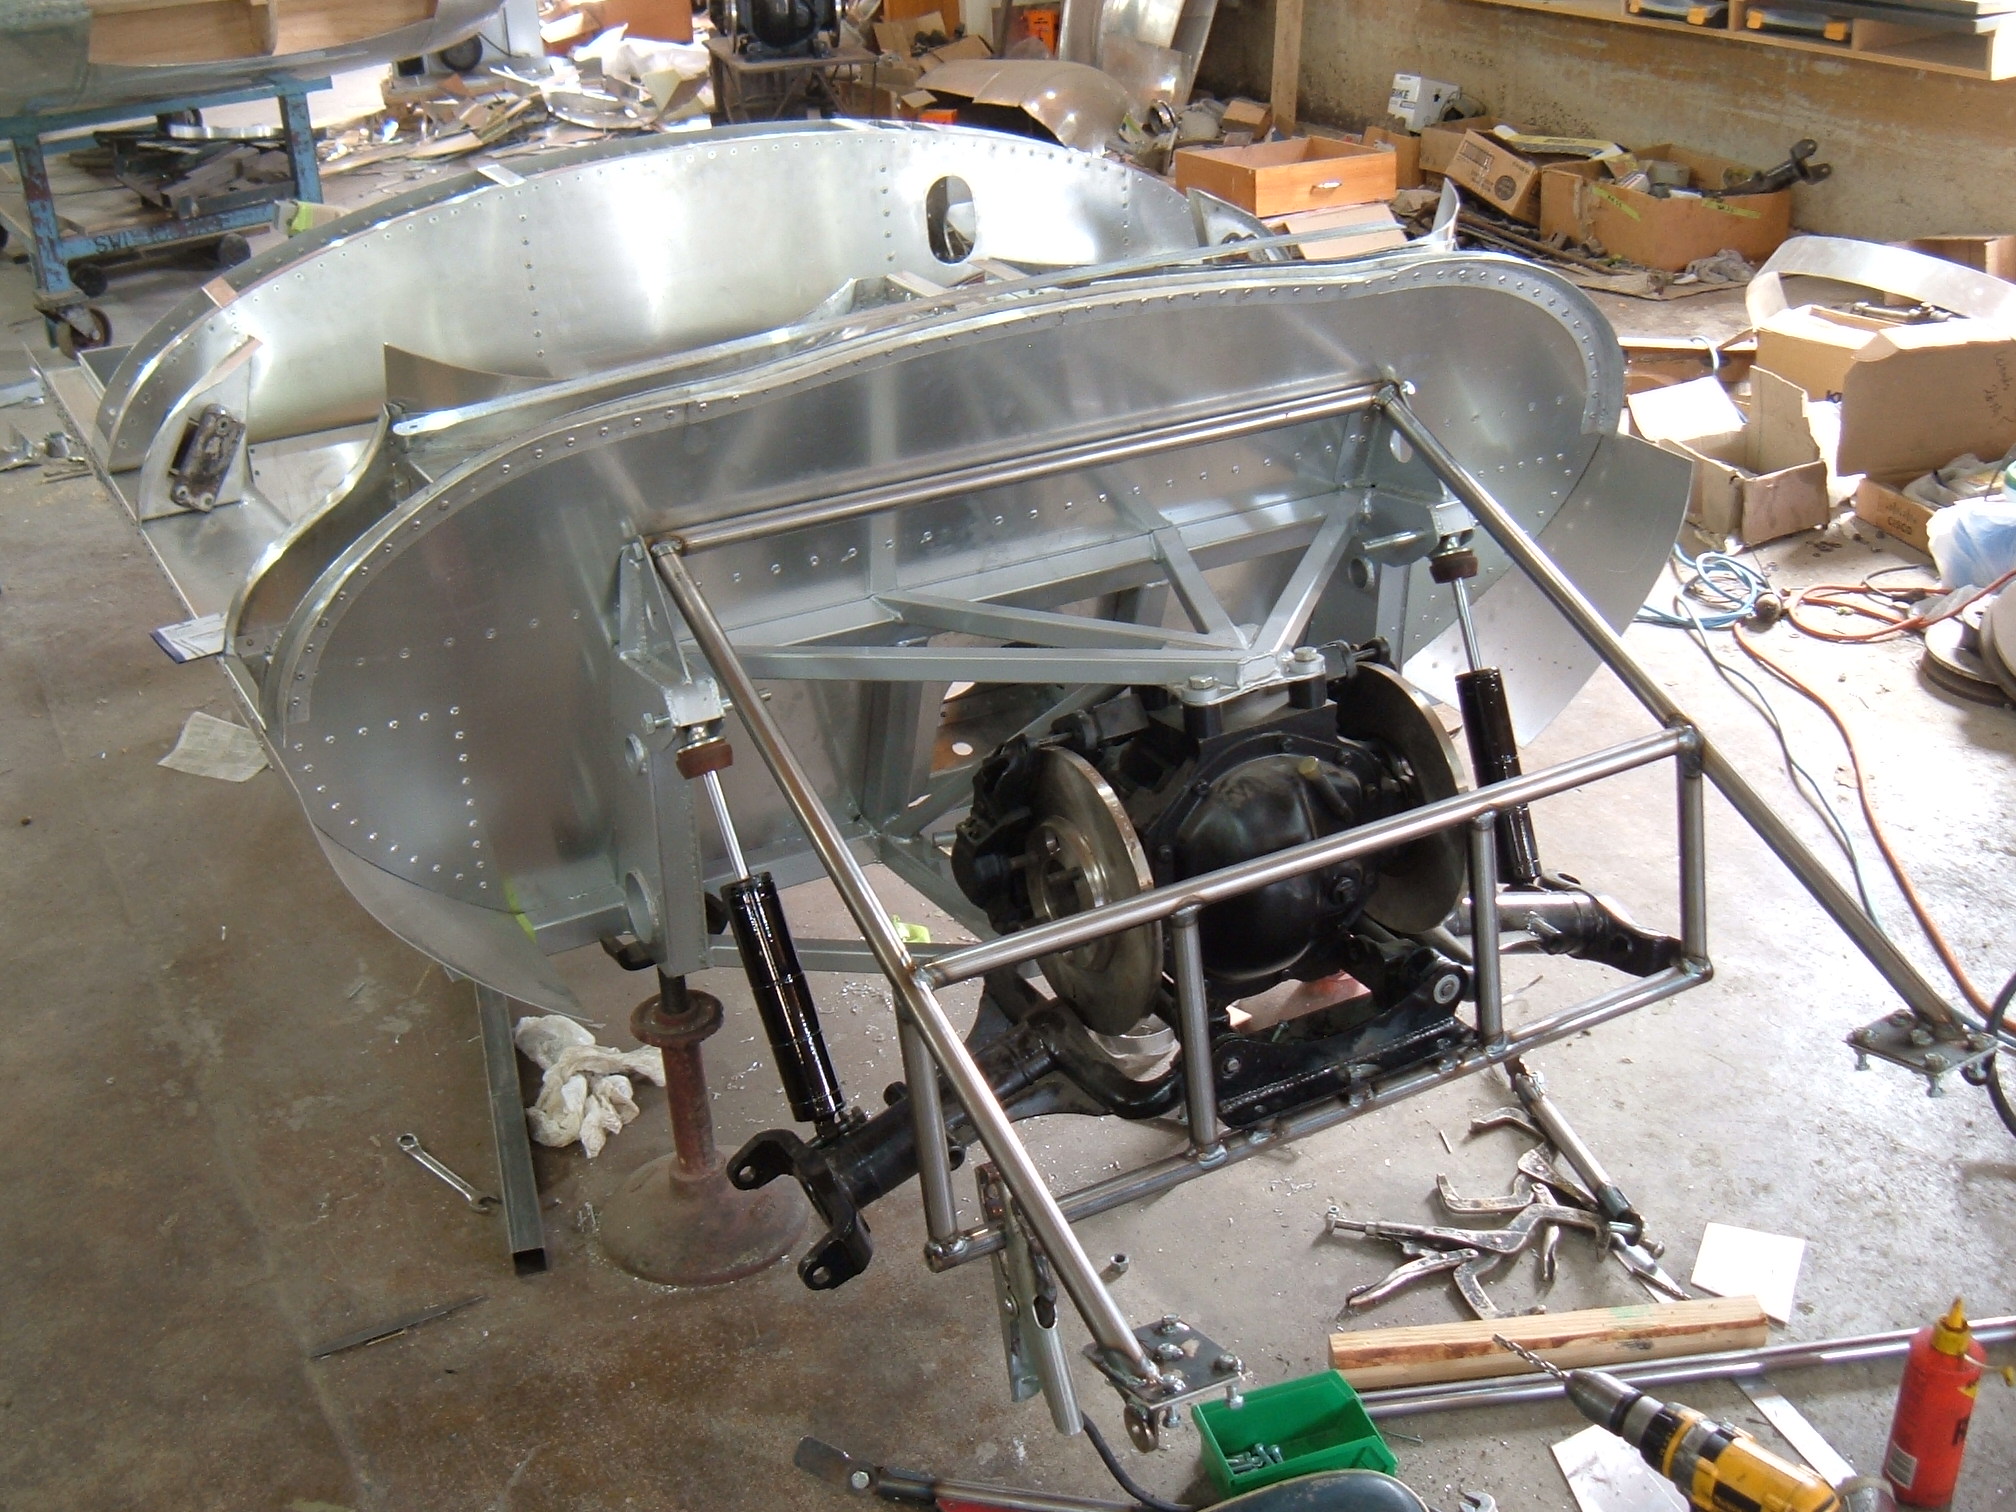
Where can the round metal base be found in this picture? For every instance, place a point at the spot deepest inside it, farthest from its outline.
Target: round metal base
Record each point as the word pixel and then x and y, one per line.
pixel 679 1231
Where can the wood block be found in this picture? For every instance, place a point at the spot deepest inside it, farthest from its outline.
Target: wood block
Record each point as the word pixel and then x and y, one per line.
pixel 1376 1357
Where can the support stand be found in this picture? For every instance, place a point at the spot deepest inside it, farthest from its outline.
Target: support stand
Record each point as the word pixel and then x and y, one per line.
pixel 676 1220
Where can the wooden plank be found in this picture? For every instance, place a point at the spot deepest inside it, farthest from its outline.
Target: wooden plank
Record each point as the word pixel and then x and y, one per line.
pixel 1378 1357
pixel 1286 84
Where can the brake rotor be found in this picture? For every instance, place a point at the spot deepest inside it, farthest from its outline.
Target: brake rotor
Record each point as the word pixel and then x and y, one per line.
pixel 1421 881
pixel 1082 852
pixel 1953 661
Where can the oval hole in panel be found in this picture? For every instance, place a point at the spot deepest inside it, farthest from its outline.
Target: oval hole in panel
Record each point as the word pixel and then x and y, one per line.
pixel 949 220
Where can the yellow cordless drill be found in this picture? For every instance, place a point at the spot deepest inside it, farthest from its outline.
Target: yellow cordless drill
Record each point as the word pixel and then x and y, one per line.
pixel 1716 1467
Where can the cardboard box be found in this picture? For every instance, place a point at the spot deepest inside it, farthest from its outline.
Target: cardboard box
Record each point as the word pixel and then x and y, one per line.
pixel 1813 346
pixel 1577 201
pixel 1276 178
pixel 1916 397
pixel 1497 175
pixel 647 20
pixel 1993 255
pixel 1247 115
pixel 1439 143
pixel 1416 101
pixel 1380 232
pixel 1755 479
pixel 1406 154
pixel 1894 513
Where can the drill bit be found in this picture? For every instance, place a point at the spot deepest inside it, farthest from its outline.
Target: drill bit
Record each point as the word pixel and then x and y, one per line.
pixel 1530 1358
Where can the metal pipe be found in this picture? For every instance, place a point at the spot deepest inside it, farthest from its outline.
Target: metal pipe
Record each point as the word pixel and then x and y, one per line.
pixel 1610 1198
pixel 927 1114
pixel 1487 967
pixel 711 781
pixel 1734 1364
pixel 1827 891
pixel 1200 1089
pixel 1022 467
pixel 1468 627
pixel 979 1494
pixel 523 1228
pixel 1693 860
pixel 1102 1315
pixel 1173 1171
pixel 1213 887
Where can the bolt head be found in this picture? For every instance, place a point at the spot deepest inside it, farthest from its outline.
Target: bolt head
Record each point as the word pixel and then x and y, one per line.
pixel 1921 1036
pixel 1202 683
pixel 1307 654
pixel 860 1480
pixel 1935 1063
pixel 1232 1065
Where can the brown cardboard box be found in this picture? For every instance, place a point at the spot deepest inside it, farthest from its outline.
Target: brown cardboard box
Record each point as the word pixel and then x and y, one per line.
pixel 1993 255
pixel 1247 115
pixel 1439 143
pixel 1755 479
pixel 1893 513
pixel 1379 231
pixel 1406 154
pixel 1275 178
pixel 648 20
pixel 1578 202
pixel 1497 175
pixel 1813 346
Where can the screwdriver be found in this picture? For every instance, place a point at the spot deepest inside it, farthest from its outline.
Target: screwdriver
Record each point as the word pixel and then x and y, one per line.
pixel 1716 1467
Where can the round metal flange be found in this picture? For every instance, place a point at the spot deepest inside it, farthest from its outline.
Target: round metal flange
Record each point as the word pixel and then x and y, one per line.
pixel 1420 882
pixel 676 1230
pixel 1952 661
pixel 1082 853
pixel 1997 641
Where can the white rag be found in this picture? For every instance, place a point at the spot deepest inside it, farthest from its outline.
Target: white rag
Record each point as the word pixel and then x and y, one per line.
pixel 586 1093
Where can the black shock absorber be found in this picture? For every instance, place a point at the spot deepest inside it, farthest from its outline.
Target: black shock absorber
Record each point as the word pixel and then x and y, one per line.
pixel 1487 721
pixel 770 960
pixel 784 1000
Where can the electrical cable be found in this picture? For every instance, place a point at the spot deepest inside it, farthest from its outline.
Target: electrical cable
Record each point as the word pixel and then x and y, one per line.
pixel 1991 1068
pixel 1730 587
pixel 1119 1473
pixel 1933 933
pixel 1892 620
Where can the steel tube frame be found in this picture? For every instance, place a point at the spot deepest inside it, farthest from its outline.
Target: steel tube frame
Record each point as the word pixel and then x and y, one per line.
pixel 1025 466
pixel 1693 859
pixel 1487 967
pixel 1734 1364
pixel 1074 1268
pixel 1827 891
pixel 1193 1011
pixel 1383 834
pixel 927 1115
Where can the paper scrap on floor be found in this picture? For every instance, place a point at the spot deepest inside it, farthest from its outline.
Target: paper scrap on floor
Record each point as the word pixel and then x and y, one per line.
pixel 1607 1475
pixel 586 1094
pixel 213 747
pixel 1740 1262
pixel 193 639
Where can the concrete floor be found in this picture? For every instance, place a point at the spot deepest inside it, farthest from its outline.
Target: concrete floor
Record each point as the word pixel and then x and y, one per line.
pixel 211 1050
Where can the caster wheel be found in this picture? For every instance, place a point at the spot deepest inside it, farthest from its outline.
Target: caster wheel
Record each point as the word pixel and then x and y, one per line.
pixel 463 56
pixel 89 279
pixel 232 249
pixel 96 330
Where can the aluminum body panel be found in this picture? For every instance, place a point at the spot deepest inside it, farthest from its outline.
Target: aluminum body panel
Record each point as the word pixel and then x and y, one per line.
pixel 618 253
pixel 448 698
pixel 45 58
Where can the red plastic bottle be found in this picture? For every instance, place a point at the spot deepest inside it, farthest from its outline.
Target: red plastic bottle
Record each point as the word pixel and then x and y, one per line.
pixel 1928 1437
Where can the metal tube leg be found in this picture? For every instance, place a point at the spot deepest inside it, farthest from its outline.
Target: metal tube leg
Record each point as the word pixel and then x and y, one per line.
pixel 515 1179
pixel 934 1161
pixel 1839 903
pixel 1094 1302
pixel 1200 1090
pixel 1486 963
pixel 52 273
pixel 1693 861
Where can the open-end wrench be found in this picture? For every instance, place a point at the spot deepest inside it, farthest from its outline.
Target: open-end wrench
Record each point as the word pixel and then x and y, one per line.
pixel 480 1201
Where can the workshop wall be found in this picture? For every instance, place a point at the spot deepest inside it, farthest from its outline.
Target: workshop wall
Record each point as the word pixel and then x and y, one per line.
pixel 1914 153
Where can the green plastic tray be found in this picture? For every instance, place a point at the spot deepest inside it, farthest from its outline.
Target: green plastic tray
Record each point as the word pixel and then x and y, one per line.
pixel 1316 1420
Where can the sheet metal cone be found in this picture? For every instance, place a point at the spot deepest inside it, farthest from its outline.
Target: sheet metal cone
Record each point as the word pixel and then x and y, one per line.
pixel 680 1230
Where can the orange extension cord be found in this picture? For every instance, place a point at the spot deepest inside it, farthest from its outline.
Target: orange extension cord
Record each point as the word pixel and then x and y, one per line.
pixel 1852 598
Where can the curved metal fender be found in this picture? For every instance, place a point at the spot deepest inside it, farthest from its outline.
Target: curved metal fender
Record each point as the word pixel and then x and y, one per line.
pixel 620 252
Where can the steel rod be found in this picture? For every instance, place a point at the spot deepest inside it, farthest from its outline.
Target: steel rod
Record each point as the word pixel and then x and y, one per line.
pixel 1827 891
pixel 1200 1090
pixel 1023 467
pixel 1382 834
pixel 1176 1170
pixel 1487 965
pixel 1693 860
pixel 927 1115
pixel 1102 1315
pixel 1406 1401
pixel 1468 626
pixel 725 825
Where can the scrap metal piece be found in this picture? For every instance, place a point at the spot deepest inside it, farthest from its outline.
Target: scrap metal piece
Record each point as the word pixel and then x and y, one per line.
pixel 1078 105
pixel 380 1331
pixel 1895 270
pixel 208 447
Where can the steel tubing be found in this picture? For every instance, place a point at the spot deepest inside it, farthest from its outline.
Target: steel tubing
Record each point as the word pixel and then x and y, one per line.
pixel 1693 860
pixel 927 1114
pixel 1227 882
pixel 1172 1171
pixel 1102 1315
pixel 1022 467
pixel 1735 1364
pixel 1487 966
pixel 1193 1012
pixel 1827 891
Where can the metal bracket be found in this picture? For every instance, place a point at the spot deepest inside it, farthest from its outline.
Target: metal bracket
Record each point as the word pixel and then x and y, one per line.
pixel 1191 1367
pixel 1903 1039
pixel 1027 1294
